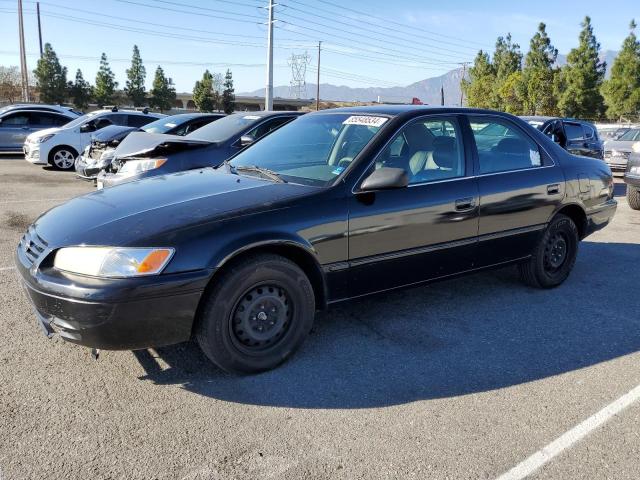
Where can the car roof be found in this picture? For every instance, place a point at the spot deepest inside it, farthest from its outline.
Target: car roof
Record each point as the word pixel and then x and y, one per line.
pixel 269 113
pixel 409 110
pixel 543 118
pixel 189 116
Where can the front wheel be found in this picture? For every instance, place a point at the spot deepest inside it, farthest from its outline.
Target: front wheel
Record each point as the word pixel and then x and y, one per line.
pixel 63 158
pixel 633 197
pixel 257 314
pixel 554 255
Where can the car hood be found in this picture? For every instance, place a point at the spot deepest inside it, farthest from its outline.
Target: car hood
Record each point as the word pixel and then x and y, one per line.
pixel 136 213
pixel 144 144
pixel 622 145
pixel 112 132
pixel 44 133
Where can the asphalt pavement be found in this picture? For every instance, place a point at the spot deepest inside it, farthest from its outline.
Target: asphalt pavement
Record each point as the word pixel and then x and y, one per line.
pixel 466 378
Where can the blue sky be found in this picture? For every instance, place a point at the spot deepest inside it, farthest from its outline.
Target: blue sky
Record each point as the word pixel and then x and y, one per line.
pixel 419 39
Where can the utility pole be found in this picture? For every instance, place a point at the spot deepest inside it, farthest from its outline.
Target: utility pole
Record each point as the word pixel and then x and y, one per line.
pixel 39 27
pixel 464 72
pixel 23 57
pixel 268 94
pixel 318 80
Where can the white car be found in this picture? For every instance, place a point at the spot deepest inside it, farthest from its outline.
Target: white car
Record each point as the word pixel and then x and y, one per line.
pixel 60 146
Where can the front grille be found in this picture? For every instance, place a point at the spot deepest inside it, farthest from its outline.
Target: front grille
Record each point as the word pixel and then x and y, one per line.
pixel 96 152
pixel 33 246
pixel 619 155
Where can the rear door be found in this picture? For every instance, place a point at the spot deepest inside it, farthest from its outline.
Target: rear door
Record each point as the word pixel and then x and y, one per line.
pixel 426 230
pixel 520 187
pixel 576 141
pixel 592 141
pixel 14 128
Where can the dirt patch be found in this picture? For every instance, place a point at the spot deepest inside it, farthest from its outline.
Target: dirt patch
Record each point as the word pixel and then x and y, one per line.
pixel 17 221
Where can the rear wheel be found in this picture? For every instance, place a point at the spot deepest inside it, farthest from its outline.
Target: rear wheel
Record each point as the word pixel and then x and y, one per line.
pixel 257 314
pixel 554 255
pixel 633 197
pixel 63 158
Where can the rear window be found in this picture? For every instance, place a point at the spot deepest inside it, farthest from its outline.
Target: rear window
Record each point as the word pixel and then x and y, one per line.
pixel 573 131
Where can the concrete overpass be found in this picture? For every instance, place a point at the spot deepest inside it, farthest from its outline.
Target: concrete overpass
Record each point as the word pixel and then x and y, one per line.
pixel 184 101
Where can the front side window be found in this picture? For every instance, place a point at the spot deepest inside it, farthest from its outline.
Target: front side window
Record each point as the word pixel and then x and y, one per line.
pixel 500 153
pixel 268 126
pixel 313 149
pixel 139 120
pixel 102 122
pixel 427 149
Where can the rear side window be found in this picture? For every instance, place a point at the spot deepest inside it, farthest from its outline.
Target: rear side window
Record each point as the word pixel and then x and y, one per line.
pixel 503 149
pixel 139 120
pixel 589 132
pixel 573 131
pixel 17 119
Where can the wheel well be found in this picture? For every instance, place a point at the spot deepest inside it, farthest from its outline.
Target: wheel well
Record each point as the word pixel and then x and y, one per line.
pixel 297 255
pixel 55 149
pixel 576 213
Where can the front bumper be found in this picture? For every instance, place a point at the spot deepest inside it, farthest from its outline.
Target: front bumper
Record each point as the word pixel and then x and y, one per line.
pixel 617 163
pixel 112 314
pixel 32 154
pixel 633 180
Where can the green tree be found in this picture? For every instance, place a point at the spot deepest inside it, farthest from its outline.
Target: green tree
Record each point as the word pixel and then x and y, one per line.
pixel 478 89
pixel 203 93
pixel 511 93
pixel 228 95
pixel 136 76
pixel 163 94
pixel 105 83
pixel 80 91
pixel 582 78
pixel 622 90
pixel 51 77
pixel 507 60
pixel 539 75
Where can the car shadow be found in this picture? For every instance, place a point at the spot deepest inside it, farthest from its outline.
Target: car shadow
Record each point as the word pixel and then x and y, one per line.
pixel 462 336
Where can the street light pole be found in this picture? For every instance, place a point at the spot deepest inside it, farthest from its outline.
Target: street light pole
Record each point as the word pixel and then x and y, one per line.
pixel 318 79
pixel 23 58
pixel 268 94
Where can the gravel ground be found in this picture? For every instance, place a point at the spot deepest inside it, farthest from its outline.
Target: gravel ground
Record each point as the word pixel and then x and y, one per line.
pixel 460 379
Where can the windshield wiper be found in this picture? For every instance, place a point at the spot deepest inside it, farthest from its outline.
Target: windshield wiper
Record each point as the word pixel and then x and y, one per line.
pixel 265 172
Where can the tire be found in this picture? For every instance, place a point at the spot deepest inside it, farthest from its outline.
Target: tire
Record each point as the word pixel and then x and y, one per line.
pixel 257 314
pixel 554 255
pixel 633 197
pixel 63 158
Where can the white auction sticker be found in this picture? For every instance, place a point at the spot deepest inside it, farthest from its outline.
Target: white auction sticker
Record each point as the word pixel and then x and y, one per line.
pixel 251 117
pixel 365 120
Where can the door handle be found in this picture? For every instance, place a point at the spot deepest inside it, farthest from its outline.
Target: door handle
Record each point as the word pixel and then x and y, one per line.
pixel 553 189
pixel 465 204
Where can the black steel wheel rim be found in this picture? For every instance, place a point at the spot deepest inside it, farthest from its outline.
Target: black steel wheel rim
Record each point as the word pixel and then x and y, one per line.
pixel 555 252
pixel 261 318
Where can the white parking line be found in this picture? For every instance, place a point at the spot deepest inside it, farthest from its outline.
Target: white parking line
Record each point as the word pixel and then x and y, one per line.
pixel 4 269
pixel 568 439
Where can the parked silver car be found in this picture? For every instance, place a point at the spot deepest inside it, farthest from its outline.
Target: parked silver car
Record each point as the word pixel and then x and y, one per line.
pixel 18 121
pixel 617 152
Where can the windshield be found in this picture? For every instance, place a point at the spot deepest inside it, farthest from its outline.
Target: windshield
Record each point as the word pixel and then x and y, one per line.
pixel 226 127
pixel 80 120
pixel 164 124
pixel 314 149
pixel 631 136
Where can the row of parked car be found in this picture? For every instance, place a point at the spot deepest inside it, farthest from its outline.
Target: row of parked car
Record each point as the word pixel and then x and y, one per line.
pixel 113 146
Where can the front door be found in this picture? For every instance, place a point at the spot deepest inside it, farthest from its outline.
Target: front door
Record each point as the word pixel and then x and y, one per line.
pixel 520 188
pixel 426 230
pixel 14 129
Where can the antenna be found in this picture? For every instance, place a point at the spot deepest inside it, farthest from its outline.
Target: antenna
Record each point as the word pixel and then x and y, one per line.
pixel 298 84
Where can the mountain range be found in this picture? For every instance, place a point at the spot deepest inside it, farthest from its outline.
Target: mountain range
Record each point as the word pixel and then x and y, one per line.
pixel 427 90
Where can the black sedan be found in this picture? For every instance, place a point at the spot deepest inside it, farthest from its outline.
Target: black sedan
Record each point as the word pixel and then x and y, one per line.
pixel 100 152
pixel 142 156
pixel 334 206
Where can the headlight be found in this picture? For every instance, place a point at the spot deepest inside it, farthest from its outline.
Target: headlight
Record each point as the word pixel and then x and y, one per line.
pixel 106 157
pixel 45 138
pixel 636 147
pixel 112 262
pixel 134 167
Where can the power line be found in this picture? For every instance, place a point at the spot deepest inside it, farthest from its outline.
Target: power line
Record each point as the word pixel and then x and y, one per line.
pixel 393 22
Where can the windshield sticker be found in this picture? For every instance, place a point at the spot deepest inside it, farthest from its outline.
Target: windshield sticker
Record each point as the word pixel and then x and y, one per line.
pixel 338 170
pixel 365 120
pixel 251 117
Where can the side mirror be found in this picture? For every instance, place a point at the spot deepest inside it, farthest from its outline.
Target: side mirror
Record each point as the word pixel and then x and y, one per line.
pixel 88 127
pixel 385 178
pixel 246 140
